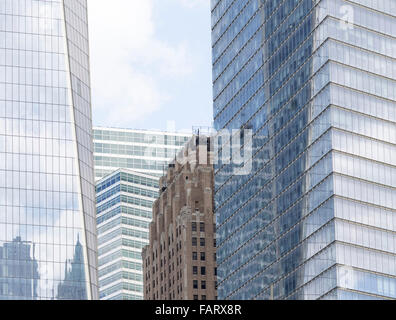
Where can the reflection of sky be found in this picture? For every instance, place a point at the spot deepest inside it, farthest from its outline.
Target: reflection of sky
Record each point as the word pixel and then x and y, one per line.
pixel 38 174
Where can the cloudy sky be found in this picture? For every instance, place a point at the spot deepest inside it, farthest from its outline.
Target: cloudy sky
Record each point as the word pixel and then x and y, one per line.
pixel 151 63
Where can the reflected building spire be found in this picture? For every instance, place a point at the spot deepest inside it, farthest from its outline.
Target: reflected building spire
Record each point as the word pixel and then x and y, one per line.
pixel 73 285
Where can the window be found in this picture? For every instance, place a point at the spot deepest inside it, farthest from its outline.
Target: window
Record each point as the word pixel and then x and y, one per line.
pixel 203 256
pixel 203 297
pixel 202 242
pixel 193 226
pixel 215 271
pixel 203 271
pixel 195 297
pixel 195 270
pixel 202 227
pixel 195 256
pixel 195 284
pixel 203 285
pixel 194 242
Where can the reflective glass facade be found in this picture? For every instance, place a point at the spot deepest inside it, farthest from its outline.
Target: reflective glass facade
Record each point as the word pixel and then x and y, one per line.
pixel 315 81
pixel 124 206
pixel 139 150
pixel 48 247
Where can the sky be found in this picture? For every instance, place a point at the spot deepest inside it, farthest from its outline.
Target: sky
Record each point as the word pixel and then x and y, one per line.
pixel 151 64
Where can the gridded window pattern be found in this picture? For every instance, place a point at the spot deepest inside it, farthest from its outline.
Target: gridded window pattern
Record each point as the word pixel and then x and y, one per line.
pixel 139 137
pixel 124 202
pixel 314 217
pixel 142 165
pixel 119 255
pixel 47 198
pixel 132 178
pixel 127 189
pixel 125 210
pixel 138 150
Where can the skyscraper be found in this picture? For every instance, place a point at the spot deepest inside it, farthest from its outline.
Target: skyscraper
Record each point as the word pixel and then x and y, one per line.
pixel 315 82
pixel 47 195
pixel 180 261
pixel 128 164
pixel 138 150
pixel 124 207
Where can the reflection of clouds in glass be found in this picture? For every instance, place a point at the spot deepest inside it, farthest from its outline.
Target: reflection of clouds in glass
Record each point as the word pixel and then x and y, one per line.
pixel 39 183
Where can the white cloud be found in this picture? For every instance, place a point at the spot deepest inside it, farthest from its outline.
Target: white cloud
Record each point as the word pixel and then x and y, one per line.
pixel 193 3
pixel 128 61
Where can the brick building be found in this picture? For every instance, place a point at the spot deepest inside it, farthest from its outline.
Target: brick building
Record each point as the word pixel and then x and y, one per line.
pixel 180 261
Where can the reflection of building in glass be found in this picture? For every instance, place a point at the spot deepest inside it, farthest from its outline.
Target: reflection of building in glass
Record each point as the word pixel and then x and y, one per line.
pixel 316 216
pixel 138 150
pixel 124 205
pixel 18 263
pixel 47 190
pixel 73 285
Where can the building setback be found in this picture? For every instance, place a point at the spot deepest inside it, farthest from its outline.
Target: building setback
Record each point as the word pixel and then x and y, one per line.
pixel 124 205
pixel 315 82
pixel 47 192
pixel 180 261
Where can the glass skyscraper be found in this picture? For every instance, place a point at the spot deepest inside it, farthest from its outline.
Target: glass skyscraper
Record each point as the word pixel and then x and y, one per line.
pixel 315 81
pixel 139 150
pixel 48 247
pixel 124 205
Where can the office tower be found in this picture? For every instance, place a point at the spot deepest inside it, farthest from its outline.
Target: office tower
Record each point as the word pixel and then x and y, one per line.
pixel 139 150
pixel 315 82
pixel 124 211
pixel 124 202
pixel 47 210
pixel 180 262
